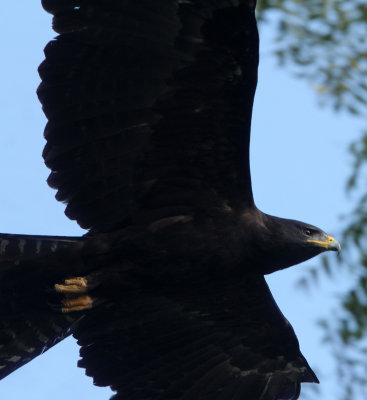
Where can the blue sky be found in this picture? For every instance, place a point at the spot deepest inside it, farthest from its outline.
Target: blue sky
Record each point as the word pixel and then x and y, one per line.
pixel 299 167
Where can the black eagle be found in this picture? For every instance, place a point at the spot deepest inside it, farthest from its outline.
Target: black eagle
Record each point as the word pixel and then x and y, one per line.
pixel 149 108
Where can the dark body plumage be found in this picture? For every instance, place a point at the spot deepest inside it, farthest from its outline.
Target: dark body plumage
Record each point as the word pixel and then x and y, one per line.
pixel 149 106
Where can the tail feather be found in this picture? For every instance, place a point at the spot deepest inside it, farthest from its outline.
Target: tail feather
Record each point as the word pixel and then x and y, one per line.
pixel 19 247
pixel 29 267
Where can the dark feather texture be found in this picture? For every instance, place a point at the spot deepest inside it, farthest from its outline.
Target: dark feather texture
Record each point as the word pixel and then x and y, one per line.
pixel 149 110
pixel 166 111
pixel 220 341
pixel 29 267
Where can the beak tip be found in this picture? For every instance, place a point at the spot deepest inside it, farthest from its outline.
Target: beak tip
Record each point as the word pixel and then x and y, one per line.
pixel 334 245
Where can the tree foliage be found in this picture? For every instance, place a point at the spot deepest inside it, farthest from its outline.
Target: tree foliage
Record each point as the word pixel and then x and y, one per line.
pixel 325 41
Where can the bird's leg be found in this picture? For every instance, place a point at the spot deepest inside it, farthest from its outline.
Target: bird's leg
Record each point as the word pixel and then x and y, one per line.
pixel 73 285
pixel 74 290
pixel 79 303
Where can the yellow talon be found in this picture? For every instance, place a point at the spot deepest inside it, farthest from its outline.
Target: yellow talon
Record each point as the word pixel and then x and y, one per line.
pixel 77 304
pixel 73 285
pixel 73 290
pixel 80 281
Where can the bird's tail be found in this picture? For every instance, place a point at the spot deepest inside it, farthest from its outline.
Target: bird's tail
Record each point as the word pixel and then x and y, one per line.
pixel 29 321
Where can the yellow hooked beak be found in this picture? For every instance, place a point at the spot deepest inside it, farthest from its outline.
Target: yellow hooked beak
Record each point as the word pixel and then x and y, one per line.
pixel 329 244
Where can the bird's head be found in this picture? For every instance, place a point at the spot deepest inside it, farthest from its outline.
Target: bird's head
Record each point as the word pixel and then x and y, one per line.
pixel 285 242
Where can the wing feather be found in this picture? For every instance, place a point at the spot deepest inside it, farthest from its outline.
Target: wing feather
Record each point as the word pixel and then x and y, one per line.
pixel 222 341
pixel 140 95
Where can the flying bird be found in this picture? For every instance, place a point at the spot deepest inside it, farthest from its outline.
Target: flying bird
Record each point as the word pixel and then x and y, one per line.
pixel 149 109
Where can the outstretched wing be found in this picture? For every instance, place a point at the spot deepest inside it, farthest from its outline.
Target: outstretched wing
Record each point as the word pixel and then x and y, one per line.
pixel 224 341
pixel 149 106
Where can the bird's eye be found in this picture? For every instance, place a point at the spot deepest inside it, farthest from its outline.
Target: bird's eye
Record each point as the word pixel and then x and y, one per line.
pixel 308 232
